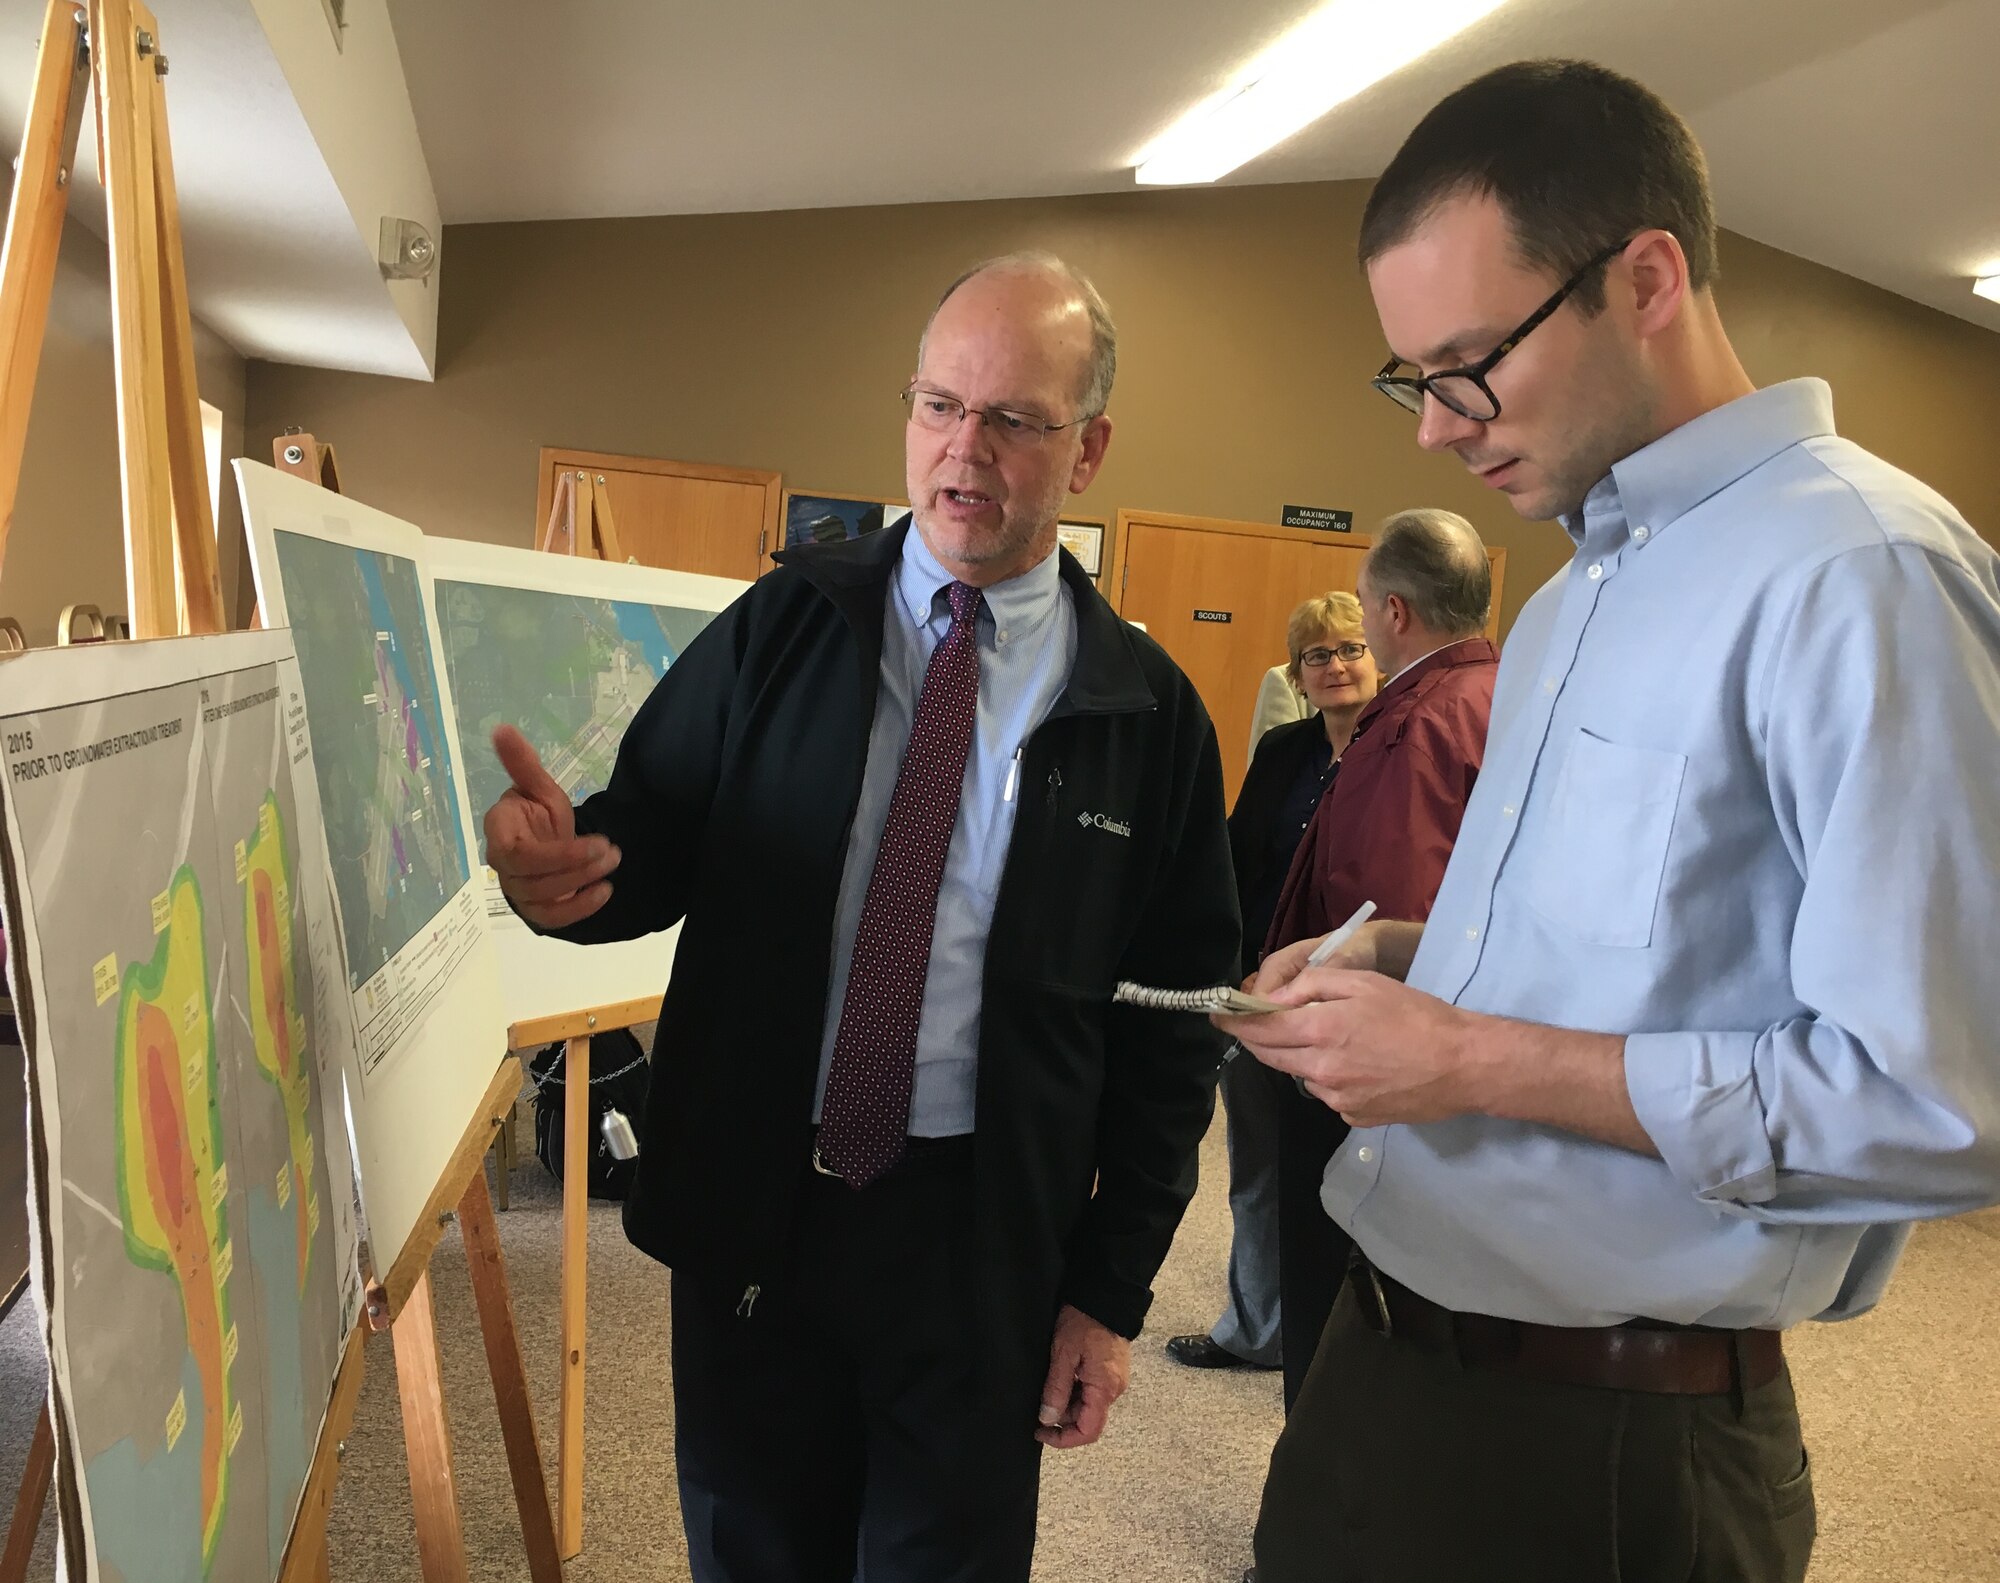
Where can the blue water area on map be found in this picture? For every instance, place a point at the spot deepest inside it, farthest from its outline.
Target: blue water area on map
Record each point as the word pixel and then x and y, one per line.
pixel 643 625
pixel 424 698
pixel 147 1512
pixel 289 1437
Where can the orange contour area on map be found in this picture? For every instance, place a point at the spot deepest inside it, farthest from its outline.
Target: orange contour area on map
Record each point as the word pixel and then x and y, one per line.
pixel 174 1181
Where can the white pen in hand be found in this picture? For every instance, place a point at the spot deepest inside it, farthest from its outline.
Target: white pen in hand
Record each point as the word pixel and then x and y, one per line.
pixel 1332 943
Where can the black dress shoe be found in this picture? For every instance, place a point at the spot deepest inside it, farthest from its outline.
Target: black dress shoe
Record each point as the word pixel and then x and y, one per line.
pixel 1205 1352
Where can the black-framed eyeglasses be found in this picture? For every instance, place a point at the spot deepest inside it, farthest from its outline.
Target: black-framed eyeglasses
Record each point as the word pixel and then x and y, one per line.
pixel 1464 390
pixel 1346 653
pixel 934 410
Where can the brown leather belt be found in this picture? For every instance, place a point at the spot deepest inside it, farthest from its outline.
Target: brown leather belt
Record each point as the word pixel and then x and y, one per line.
pixel 1666 1360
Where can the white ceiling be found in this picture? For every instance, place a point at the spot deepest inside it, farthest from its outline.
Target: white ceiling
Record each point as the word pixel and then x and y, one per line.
pixel 1861 133
pixel 275 263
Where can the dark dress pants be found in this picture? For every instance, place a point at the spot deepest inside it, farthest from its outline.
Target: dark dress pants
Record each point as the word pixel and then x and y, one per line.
pixel 847 1423
pixel 1400 1464
pixel 1312 1249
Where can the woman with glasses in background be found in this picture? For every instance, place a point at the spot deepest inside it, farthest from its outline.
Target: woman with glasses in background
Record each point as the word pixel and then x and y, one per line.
pixel 1290 770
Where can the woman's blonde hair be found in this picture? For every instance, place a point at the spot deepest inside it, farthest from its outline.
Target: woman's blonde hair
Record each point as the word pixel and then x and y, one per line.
pixel 1334 616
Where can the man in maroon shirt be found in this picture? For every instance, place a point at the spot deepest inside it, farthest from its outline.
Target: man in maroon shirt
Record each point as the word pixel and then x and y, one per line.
pixel 1382 833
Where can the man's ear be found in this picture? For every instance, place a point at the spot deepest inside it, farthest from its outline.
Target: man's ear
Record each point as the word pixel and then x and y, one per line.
pixel 1659 280
pixel 1096 439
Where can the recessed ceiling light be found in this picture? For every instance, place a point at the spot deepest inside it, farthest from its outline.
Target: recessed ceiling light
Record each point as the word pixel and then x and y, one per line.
pixel 1987 286
pixel 1328 58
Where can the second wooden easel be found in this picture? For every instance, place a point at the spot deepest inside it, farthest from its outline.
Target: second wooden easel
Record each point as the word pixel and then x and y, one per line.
pixel 580 523
pixel 401 1303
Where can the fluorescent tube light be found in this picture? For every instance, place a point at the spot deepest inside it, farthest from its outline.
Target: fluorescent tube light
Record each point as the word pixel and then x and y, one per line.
pixel 1330 57
pixel 1987 286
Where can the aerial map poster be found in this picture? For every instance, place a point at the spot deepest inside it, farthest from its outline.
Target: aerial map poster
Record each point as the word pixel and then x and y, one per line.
pixel 348 581
pixel 388 793
pixel 566 649
pixel 175 949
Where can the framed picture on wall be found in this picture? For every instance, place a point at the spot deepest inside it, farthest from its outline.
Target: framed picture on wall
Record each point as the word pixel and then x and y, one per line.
pixel 816 519
pixel 1084 540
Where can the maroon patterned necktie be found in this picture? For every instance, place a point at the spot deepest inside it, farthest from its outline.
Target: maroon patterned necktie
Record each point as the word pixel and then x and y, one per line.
pixel 865 1117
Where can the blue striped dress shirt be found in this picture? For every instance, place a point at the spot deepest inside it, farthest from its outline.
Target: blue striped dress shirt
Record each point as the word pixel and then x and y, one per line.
pixel 1027 644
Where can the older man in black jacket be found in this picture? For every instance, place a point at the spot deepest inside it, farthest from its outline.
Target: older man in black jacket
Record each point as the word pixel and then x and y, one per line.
pixel 919 800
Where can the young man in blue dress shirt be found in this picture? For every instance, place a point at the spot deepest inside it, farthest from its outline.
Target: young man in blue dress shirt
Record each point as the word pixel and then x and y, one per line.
pixel 1702 1018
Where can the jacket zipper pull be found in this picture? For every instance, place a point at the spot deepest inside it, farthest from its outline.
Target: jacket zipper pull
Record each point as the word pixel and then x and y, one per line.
pixel 1055 788
pixel 749 1301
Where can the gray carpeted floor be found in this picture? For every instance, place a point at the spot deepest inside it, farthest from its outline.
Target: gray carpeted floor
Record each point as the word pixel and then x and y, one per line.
pixel 1900 1410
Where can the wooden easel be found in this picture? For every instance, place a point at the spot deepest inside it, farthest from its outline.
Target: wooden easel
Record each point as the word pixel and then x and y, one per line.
pixel 173 588
pixel 580 523
pixel 299 454
pixel 170 577
pixel 401 1304
pixel 580 520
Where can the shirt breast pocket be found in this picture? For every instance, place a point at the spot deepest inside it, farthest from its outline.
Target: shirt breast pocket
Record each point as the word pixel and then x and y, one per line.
pixel 1603 853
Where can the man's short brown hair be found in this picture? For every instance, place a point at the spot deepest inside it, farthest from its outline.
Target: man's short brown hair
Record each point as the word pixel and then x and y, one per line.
pixel 1578 157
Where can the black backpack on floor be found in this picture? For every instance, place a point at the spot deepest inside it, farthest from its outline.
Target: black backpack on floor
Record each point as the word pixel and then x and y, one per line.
pixel 619 1076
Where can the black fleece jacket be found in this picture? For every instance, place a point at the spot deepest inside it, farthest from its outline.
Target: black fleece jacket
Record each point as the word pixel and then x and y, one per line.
pixel 731 802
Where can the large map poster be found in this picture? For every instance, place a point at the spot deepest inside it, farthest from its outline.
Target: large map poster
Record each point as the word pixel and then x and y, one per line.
pixel 386 781
pixel 349 582
pixel 188 1032
pixel 393 823
pixel 565 649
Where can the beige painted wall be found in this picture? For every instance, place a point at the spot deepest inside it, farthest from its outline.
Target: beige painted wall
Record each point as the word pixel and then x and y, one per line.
pixel 67 544
pixel 780 341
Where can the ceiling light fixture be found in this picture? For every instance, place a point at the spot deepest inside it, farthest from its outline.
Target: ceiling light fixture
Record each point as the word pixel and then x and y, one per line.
pixel 1328 58
pixel 1987 286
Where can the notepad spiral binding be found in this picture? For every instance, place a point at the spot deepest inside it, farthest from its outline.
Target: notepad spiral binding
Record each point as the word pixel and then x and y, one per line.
pixel 1220 998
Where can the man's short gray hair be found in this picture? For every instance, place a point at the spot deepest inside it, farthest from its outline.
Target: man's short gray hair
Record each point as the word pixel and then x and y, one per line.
pixel 1102 366
pixel 1436 562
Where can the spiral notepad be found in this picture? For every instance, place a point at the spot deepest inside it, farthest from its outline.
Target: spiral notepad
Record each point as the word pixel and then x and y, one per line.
pixel 1219 999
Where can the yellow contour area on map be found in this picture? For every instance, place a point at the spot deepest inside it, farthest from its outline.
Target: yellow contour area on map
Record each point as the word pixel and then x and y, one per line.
pixel 274 1015
pixel 171 1186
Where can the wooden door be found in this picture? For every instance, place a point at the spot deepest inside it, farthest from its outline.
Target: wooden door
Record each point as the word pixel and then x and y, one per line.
pixel 683 516
pixel 1216 596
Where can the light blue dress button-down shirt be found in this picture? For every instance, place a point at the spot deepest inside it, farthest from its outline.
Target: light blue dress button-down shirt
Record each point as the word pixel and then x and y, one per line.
pixel 1027 644
pixel 1740 803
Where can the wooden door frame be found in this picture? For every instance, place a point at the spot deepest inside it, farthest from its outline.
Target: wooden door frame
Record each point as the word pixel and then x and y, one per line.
pixel 555 458
pixel 1113 586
